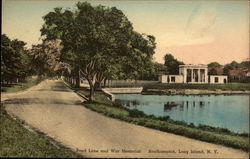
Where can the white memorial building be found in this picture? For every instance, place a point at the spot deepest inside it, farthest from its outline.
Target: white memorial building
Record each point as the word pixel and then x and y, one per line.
pixel 193 74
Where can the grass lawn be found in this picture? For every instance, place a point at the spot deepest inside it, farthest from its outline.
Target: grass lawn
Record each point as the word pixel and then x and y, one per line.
pixel 227 86
pixel 15 87
pixel 17 141
pixel 204 133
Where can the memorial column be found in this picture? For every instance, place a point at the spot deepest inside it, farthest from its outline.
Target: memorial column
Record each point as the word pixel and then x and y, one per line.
pixel 192 76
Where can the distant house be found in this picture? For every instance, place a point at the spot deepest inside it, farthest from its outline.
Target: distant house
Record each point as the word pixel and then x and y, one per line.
pixel 193 74
pixel 239 73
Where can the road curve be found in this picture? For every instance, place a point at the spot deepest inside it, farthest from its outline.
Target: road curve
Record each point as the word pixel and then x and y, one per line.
pixel 55 110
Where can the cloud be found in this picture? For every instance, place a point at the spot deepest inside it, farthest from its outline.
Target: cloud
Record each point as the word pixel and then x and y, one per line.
pixel 200 25
pixel 198 29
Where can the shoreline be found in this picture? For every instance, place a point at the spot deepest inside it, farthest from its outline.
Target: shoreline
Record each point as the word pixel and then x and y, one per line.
pixel 193 92
pixel 204 133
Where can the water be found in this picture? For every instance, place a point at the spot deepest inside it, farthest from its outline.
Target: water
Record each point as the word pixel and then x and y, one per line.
pixel 225 111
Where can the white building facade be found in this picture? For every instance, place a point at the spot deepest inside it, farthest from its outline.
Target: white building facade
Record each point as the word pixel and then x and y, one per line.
pixel 193 74
pixel 217 79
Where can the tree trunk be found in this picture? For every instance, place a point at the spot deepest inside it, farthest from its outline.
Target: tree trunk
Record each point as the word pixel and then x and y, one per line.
pixel 71 80
pixel 92 89
pixel 92 93
pixel 97 86
pixel 105 80
pixel 77 79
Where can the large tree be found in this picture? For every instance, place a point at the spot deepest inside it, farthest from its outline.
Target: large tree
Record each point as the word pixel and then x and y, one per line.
pixel 172 64
pixel 98 42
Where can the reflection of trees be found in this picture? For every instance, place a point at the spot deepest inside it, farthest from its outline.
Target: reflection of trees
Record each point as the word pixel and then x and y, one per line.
pixel 129 103
pixel 169 105
pixel 202 103
pixel 182 106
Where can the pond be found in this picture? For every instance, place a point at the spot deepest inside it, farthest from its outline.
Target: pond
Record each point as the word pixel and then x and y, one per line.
pixel 225 111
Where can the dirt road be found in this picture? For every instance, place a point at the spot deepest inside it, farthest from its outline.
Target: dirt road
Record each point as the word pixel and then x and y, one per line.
pixel 55 110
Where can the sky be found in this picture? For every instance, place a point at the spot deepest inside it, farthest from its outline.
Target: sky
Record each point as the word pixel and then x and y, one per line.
pixel 193 31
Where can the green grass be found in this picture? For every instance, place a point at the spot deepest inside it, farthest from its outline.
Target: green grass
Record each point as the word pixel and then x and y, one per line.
pixel 227 86
pixel 17 141
pixel 204 133
pixel 15 87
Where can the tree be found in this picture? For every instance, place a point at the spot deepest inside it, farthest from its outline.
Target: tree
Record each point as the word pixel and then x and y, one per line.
pixel 214 65
pixel 212 68
pixel 15 60
pixel 139 64
pixel 230 66
pixel 152 70
pixel 172 64
pixel 245 64
pixel 98 42
pixel 47 58
pixel 160 68
pixel 212 72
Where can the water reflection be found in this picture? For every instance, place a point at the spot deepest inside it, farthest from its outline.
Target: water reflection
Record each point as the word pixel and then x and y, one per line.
pixel 167 106
pixel 131 103
pixel 231 112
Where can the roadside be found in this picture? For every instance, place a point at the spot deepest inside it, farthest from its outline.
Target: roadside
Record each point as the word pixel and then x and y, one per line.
pixel 21 86
pixel 15 133
pixel 18 141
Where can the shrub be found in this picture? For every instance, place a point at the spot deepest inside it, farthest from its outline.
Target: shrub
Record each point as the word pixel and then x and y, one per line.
pixel 136 113
pixel 164 118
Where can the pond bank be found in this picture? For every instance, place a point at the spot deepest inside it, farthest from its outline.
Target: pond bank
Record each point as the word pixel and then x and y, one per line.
pixel 204 133
pixel 193 91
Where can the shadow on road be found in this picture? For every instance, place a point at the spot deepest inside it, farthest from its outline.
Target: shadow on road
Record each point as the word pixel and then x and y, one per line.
pixel 58 90
pixel 30 101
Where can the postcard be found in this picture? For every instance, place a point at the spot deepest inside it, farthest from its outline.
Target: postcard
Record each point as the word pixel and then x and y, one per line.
pixel 125 79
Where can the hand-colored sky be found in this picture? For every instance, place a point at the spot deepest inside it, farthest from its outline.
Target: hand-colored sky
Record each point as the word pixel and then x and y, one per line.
pixel 193 31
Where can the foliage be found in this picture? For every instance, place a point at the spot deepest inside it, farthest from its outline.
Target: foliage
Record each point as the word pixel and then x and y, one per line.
pixel 235 65
pixel 136 113
pixel 46 58
pixel 245 64
pixel 226 86
pixel 172 64
pixel 99 42
pixel 214 65
pixel 15 60
pixel 230 66
pixel 152 70
pixel 160 68
pixel 212 72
